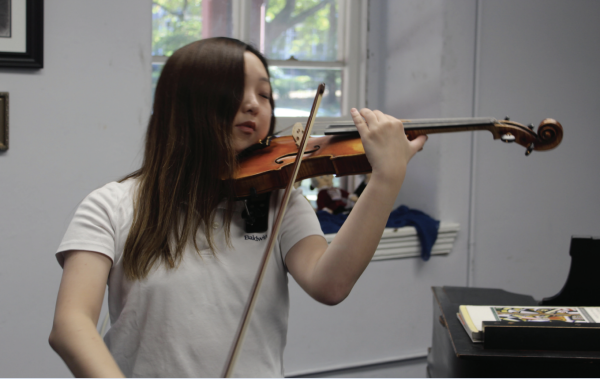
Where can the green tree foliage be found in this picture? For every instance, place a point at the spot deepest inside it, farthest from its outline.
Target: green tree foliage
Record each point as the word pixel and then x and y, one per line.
pixel 175 23
pixel 306 29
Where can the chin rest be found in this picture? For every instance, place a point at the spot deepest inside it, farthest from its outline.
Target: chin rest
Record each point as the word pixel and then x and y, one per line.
pixel 582 287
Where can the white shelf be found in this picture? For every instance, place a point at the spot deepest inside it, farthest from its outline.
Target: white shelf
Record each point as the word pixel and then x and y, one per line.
pixel 403 242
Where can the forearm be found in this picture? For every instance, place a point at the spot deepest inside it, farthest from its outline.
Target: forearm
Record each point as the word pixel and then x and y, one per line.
pixel 78 343
pixel 328 273
pixel 345 259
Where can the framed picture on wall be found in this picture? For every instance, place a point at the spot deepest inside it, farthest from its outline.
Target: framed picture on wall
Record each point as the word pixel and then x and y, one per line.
pixel 22 33
pixel 3 121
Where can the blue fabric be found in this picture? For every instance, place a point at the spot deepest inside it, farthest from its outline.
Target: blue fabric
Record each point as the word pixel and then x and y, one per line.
pixel 331 223
pixel 427 227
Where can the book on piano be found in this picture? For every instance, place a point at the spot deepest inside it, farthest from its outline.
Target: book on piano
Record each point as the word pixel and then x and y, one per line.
pixel 532 327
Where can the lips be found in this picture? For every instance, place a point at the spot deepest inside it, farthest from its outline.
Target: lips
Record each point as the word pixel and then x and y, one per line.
pixel 248 126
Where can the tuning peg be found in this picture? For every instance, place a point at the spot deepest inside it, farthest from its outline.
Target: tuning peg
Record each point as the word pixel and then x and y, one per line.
pixel 506 118
pixel 508 137
pixel 530 126
pixel 529 149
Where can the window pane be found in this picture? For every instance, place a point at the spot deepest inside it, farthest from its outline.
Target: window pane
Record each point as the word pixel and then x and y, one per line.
pixel 294 91
pixel 176 23
pixel 305 29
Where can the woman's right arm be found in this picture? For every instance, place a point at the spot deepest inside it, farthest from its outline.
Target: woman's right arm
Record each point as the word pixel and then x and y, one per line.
pixel 74 335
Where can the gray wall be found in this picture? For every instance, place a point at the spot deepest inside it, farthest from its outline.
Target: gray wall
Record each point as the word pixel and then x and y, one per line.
pixel 529 60
pixel 79 122
pixel 74 125
pixel 526 209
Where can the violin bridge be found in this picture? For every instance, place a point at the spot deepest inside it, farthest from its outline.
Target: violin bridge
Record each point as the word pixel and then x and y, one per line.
pixel 297 133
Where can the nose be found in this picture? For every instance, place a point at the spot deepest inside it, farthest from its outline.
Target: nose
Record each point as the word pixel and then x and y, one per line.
pixel 250 103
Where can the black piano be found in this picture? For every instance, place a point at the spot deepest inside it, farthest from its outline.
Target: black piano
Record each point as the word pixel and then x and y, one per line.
pixel 454 355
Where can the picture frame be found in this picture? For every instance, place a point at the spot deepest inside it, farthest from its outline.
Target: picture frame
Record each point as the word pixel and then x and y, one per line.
pixel 3 121
pixel 22 34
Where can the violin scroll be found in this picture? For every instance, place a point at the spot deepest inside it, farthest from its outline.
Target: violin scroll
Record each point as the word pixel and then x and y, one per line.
pixel 550 134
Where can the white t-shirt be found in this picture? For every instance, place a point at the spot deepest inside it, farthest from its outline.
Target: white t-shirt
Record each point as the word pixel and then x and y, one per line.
pixel 181 322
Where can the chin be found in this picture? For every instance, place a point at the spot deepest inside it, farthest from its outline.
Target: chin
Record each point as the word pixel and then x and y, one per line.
pixel 239 147
pixel 242 144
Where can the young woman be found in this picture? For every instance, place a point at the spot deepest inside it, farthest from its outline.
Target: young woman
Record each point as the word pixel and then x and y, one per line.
pixel 169 239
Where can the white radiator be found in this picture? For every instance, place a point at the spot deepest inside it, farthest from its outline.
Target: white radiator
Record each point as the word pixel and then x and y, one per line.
pixel 404 243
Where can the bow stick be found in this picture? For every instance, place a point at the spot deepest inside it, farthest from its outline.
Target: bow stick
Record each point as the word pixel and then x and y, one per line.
pixel 241 332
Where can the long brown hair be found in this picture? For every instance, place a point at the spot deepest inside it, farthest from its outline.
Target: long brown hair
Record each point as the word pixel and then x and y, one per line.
pixel 188 151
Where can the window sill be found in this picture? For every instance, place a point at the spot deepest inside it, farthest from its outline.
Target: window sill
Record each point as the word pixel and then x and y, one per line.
pixel 403 242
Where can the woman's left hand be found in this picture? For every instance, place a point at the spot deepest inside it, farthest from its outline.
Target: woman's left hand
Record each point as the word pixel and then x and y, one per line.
pixel 386 146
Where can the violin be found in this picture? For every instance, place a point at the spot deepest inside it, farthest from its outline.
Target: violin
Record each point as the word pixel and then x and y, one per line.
pixel 340 152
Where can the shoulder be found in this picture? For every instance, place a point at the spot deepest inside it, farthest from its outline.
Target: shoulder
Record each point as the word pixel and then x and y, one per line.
pixel 114 191
pixel 299 220
pixel 110 196
pixel 297 200
pixel 99 220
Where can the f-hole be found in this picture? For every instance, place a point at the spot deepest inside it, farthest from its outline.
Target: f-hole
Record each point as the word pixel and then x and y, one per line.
pixel 279 160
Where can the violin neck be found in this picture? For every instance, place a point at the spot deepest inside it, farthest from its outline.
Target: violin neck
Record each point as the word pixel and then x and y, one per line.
pixel 417 127
pixel 446 125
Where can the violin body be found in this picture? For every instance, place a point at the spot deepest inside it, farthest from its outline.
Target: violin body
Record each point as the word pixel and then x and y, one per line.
pixel 270 168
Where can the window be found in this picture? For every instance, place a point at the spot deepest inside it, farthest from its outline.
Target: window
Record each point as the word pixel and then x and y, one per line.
pixel 305 41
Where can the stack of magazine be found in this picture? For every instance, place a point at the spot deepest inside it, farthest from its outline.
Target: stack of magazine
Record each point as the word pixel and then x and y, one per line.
pixel 528 321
